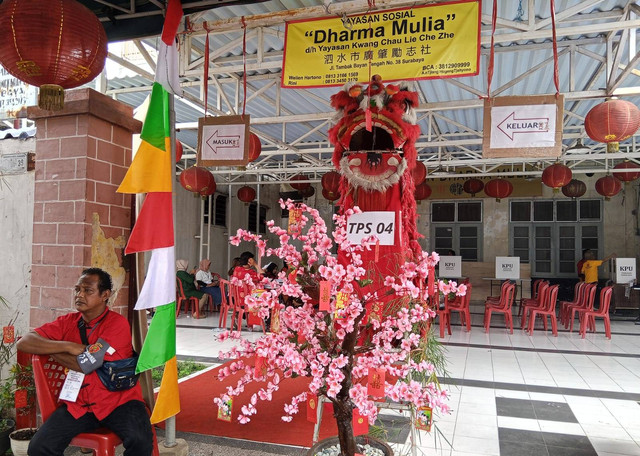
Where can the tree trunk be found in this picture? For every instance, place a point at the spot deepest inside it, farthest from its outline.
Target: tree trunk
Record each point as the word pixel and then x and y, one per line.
pixel 343 413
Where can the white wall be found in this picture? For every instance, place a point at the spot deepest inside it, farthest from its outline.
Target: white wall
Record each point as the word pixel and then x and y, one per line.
pixel 16 236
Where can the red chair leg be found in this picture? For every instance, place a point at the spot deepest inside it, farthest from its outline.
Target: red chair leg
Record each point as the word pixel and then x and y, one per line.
pixel 441 324
pixel 509 321
pixel 554 324
pixel 607 326
pixel 487 321
pixel 467 316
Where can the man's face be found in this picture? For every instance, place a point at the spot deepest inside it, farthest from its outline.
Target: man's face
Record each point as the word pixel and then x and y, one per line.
pixel 88 299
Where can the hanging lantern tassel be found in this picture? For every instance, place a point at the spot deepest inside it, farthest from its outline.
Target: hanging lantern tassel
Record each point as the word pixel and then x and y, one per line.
pixel 51 97
pixel 613 147
pixel 431 285
pixel 367 116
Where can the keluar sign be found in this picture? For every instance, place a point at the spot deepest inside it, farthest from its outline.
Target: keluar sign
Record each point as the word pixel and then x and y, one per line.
pixel 424 42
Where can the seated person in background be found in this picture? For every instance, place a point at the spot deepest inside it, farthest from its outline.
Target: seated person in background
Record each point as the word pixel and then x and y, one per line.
pixel 234 264
pixel 271 271
pixel 208 283
pixel 451 252
pixel 123 412
pixel 248 266
pixel 189 285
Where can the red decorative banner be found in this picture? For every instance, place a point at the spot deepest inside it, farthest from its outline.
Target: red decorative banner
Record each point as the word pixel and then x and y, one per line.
pixel 375 382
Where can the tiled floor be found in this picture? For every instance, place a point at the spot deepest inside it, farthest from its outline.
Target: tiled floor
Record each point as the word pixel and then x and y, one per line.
pixel 514 394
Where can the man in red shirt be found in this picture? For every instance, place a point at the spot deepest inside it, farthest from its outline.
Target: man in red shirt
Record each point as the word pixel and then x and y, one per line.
pixel 124 412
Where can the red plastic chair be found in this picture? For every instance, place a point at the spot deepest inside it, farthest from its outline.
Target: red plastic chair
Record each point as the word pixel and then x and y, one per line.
pixel 534 303
pixel 534 294
pixel 190 303
pixel 239 294
pixel 585 306
pixel 461 305
pixel 226 303
pixel 496 299
pixel 548 308
pixel 49 377
pixel 504 306
pixel 578 296
pixel 444 318
pixel 589 316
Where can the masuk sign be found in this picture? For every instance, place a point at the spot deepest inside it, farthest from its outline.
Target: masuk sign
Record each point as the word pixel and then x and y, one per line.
pixel 223 140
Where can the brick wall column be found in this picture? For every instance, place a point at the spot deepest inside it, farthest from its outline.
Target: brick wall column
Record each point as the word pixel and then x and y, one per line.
pixel 82 154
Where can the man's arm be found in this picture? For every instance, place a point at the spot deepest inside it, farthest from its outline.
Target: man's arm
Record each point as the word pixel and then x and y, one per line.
pixel 63 351
pixel 613 255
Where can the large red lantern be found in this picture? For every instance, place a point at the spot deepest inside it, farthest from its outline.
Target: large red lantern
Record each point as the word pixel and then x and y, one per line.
pixel 608 186
pixel 331 181
pixel 422 191
pixel 246 194
pixel 473 186
pixel 179 151
pixel 612 121
pixel 255 147
pixel 419 173
pixel 330 195
pixel 54 45
pixel 574 189
pixel 629 175
pixel 556 176
pixel 300 185
pixel 498 189
pixel 198 180
pixel 307 192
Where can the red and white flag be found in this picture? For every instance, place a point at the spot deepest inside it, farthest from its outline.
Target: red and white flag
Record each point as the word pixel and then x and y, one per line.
pixel 167 66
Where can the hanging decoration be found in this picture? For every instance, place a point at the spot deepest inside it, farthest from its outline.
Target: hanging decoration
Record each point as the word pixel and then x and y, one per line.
pixel 473 186
pixel 422 191
pixel 330 195
pixel 179 151
pixel 419 173
pixel 629 175
pixel 574 189
pixel 255 147
pixel 198 180
pixel 611 122
pixel 300 185
pixel 246 194
pixel 307 192
pixel 52 45
pixel 608 186
pixel 498 189
pixel 331 182
pixel 556 176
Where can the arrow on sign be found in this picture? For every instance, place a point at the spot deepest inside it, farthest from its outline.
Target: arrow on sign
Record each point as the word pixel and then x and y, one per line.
pixel 510 126
pixel 216 142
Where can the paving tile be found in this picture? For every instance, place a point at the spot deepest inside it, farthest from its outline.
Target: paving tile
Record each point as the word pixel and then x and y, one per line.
pixel 521 408
pixel 520 436
pixel 522 449
pixel 553 411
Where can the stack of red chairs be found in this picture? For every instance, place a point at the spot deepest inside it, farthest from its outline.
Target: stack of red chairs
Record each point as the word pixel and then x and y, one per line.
pixel 585 305
pixel 548 308
pixel 239 294
pixel 589 316
pixel 578 297
pixel 534 303
pixel 461 305
pixel 189 303
pixel 504 305
pixel 534 293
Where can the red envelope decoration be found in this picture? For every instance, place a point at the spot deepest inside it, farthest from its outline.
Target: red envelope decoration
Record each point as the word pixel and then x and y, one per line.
pixel 325 294
pixel 259 369
pixel 360 423
pixel 375 382
pixel 8 334
pixel 225 412
pixel 312 408
pixel 20 398
pixel 295 217
pixel 424 419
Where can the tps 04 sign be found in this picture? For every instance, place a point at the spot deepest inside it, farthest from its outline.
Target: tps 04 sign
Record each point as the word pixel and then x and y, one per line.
pixel 381 224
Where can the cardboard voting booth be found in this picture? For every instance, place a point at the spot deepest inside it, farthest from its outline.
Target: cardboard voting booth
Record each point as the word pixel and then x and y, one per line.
pixel 625 270
pixel 507 267
pixel 450 267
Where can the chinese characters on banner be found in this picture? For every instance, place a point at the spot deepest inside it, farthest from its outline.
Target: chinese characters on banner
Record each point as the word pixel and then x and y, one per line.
pixel 295 217
pixel 422 42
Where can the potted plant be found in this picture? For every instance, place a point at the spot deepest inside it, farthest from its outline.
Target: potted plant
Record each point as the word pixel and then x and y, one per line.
pixel 21 387
pixel 355 343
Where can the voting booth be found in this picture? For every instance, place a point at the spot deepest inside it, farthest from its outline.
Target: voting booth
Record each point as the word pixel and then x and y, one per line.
pixel 625 270
pixel 450 267
pixel 507 268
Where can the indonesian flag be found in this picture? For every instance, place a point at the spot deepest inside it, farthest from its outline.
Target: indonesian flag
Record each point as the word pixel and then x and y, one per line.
pixel 167 66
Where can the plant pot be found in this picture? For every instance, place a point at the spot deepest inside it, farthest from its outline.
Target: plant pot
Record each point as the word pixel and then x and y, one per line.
pixel 20 440
pixel 4 434
pixel 361 440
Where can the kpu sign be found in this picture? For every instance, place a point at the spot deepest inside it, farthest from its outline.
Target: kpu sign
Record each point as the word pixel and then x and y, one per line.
pixel 450 267
pixel 223 140
pixel 381 224
pixel 507 267
pixel 625 270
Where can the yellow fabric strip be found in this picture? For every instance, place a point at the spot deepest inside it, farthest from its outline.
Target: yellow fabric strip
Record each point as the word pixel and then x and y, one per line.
pixel 150 171
pixel 168 400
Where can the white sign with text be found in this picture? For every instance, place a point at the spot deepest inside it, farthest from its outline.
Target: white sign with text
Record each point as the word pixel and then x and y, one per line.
pixel 450 267
pixel 625 270
pixel 507 267
pixel 381 224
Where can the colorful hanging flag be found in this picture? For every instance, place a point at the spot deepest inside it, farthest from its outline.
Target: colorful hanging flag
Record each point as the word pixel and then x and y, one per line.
pixel 167 66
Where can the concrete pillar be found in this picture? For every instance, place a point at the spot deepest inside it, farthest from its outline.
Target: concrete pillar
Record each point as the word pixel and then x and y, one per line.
pixel 82 154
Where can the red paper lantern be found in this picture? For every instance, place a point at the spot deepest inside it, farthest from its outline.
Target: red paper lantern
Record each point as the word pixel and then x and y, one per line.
pixel 307 192
pixel 612 121
pixel 330 195
pixel 331 181
pixel 246 194
pixel 422 191
pixel 608 186
pixel 629 175
pixel 419 173
pixel 498 188
pixel 301 185
pixel 179 151
pixel 574 189
pixel 556 176
pixel 53 45
pixel 473 186
pixel 198 180
pixel 255 147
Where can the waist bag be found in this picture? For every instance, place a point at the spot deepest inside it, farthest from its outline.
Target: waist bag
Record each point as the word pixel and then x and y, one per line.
pixel 119 375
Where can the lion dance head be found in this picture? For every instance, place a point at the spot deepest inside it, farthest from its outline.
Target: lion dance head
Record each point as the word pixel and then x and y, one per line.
pixel 374 135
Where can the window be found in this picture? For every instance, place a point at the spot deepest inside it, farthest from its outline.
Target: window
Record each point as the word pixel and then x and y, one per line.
pixel 551 234
pixel 262 223
pixel 218 205
pixel 457 226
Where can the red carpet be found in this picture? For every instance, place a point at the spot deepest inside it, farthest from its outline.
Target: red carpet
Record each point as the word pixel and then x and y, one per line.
pixel 199 413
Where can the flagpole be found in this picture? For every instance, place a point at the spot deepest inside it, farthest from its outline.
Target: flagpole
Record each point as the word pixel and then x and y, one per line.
pixel 170 423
